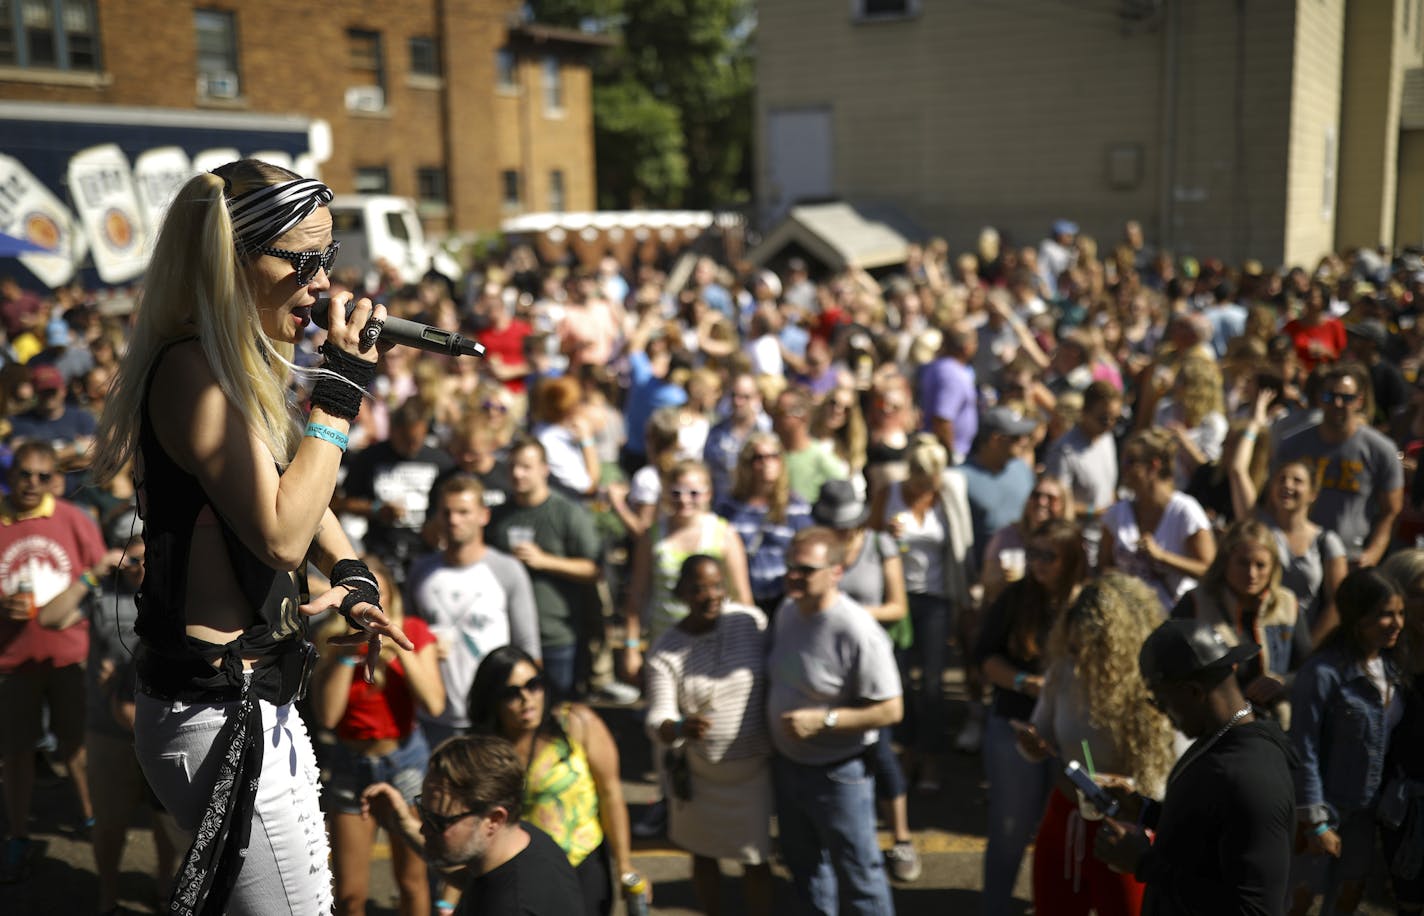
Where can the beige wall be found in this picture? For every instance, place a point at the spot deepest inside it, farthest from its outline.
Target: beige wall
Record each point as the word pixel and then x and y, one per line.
pixel 1409 209
pixel 1375 58
pixel 1312 178
pixel 980 113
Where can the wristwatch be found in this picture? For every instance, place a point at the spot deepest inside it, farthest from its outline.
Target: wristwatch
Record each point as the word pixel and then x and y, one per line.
pixel 832 717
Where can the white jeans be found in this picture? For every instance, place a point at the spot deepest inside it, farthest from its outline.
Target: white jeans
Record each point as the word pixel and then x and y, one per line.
pixel 285 869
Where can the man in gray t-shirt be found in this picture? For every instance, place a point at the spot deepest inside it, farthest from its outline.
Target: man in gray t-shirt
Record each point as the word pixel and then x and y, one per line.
pixel 1357 472
pixel 832 684
pixel 1085 459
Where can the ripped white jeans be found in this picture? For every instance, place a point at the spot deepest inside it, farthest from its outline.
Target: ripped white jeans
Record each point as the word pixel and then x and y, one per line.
pixel 286 867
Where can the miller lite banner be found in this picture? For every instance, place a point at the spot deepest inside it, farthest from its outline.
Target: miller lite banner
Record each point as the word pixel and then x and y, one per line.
pixel 102 187
pixel 158 174
pixel 30 211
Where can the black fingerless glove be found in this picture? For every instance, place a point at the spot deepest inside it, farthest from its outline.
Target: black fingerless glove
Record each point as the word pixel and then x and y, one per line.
pixel 361 585
pixel 342 398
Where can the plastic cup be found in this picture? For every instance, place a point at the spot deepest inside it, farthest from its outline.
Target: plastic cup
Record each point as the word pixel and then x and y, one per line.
pixel 1014 561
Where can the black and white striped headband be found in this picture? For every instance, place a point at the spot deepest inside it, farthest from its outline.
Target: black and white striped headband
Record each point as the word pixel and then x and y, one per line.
pixel 261 215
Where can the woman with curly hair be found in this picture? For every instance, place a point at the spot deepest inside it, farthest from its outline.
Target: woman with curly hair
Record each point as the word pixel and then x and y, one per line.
pixel 1160 535
pixel 1194 415
pixel 1095 709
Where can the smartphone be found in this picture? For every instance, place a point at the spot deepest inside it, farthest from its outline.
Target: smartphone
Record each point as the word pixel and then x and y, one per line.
pixel 1096 795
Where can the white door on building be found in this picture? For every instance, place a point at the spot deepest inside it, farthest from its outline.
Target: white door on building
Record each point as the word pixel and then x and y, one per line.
pixel 798 157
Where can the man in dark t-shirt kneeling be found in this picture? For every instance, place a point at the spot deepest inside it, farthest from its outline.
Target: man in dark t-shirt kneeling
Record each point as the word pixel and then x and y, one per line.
pixel 466 822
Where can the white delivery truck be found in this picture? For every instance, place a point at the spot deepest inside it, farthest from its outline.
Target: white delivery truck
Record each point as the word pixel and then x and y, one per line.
pixel 371 227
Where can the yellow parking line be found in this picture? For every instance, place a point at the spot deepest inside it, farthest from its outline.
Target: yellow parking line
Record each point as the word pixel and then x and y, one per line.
pixel 928 842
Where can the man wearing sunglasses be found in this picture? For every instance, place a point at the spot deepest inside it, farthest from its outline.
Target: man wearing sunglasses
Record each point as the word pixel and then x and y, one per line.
pixel 466 822
pixel 1357 469
pixel 52 557
pixel 832 685
pixel 1225 829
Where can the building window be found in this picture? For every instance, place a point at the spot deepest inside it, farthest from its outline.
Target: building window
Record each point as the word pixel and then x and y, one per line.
pixel 424 56
pixel 556 190
pixel 509 179
pixel 430 185
pixel 553 85
pixel 368 73
pixel 505 68
pixel 885 9
pixel 373 179
pixel 217 54
pixel 58 34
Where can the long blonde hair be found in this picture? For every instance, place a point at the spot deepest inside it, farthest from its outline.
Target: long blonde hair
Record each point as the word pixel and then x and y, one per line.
pixel 850 439
pixel 1100 637
pixel 744 476
pixel 197 285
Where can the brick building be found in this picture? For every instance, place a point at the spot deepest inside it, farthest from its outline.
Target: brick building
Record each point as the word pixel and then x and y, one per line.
pixel 1277 131
pixel 461 104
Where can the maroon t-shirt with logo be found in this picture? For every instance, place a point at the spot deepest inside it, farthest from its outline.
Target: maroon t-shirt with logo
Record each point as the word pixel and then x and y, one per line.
pixel 51 552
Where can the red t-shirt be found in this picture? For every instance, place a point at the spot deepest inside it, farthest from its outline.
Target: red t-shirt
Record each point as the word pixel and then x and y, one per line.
pixel 51 547
pixel 387 711
pixel 507 347
pixel 1330 333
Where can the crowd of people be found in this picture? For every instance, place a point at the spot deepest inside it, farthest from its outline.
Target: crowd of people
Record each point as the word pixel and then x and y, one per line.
pixel 1162 514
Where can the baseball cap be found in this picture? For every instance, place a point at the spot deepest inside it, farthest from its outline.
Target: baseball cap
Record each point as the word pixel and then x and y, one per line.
pixel 1179 649
pixel 1371 330
pixel 1007 421
pixel 46 378
pixel 1065 227
pixel 839 507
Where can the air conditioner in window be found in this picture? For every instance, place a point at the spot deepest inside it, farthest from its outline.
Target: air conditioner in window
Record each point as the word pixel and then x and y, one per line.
pixel 365 98
pixel 218 85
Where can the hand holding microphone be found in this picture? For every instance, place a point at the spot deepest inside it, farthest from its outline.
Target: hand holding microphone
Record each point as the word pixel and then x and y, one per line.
pixel 402 332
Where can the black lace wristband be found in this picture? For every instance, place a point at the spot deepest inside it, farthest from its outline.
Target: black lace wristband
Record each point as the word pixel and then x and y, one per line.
pixel 361 588
pixel 342 398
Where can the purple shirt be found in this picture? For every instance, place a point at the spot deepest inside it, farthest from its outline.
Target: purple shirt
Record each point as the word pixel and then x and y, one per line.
pixel 947 392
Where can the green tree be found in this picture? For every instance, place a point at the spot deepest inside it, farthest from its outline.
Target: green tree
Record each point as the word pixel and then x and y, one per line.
pixel 672 102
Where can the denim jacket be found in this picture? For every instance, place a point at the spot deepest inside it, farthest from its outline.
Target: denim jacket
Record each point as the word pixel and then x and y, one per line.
pixel 1338 729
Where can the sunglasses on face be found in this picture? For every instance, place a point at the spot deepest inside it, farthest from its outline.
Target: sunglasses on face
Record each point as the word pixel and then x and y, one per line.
pixel 441 822
pixel 1340 398
pixel 804 569
pixel 533 686
pixel 41 476
pixel 306 263
pixel 1041 556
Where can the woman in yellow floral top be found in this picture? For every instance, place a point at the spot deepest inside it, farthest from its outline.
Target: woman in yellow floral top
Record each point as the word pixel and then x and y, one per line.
pixel 571 787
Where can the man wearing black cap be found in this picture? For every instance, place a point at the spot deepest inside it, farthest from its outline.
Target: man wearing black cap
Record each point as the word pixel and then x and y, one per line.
pixel 1224 830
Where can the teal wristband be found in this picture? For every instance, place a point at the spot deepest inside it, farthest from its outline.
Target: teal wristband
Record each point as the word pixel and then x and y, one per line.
pixel 349 661
pixel 327 434
pixel 1019 680
pixel 1322 828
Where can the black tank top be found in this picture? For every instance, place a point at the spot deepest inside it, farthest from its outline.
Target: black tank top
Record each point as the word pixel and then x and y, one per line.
pixel 171 664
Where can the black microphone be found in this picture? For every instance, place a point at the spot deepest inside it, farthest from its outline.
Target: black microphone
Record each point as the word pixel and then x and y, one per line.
pixel 407 333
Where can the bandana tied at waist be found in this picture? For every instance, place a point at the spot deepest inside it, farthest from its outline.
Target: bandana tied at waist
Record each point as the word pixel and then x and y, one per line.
pixel 211 865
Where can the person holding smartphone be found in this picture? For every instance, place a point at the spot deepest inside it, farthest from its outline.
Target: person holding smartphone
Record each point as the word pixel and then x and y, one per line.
pixel 1225 826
